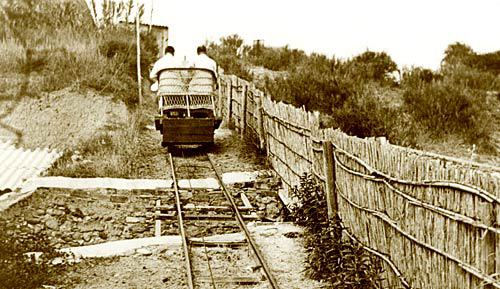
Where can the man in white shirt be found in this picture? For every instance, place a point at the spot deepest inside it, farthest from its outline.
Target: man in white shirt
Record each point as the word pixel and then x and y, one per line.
pixel 167 61
pixel 203 61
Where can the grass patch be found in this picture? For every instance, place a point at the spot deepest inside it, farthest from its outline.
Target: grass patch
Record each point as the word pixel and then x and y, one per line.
pixel 115 152
pixel 69 50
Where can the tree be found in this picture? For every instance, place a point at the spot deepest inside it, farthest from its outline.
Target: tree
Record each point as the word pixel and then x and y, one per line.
pixel 225 52
pixel 458 53
pixel 373 66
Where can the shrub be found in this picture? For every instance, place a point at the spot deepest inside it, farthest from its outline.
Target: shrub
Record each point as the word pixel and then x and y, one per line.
pixel 123 48
pixel 372 66
pixel 455 104
pixel 332 258
pixel 316 85
pixel 225 53
pixel 17 270
pixel 365 115
pixel 277 59
pixel 462 54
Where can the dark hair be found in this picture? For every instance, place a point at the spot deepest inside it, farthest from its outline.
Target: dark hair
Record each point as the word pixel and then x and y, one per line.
pixel 201 49
pixel 169 49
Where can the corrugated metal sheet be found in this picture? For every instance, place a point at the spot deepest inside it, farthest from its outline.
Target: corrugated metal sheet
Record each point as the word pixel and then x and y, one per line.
pixel 18 165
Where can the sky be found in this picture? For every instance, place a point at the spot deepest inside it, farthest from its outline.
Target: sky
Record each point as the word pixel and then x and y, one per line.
pixel 412 32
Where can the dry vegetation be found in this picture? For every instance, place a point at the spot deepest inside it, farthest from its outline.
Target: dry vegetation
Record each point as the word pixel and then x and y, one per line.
pixel 52 52
pixel 450 110
pixel 68 50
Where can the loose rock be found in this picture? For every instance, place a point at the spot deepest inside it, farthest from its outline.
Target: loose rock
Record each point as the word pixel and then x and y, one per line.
pixel 137 228
pixel 144 252
pixel 87 236
pixel 51 223
pixel 272 210
pixel 77 212
pixel 32 220
pixel 134 219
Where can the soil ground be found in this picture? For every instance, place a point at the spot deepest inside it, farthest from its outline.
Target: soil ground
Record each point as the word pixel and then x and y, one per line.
pixel 163 267
pixel 60 119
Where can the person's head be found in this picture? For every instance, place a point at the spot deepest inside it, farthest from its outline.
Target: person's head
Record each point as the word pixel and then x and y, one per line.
pixel 201 49
pixel 170 49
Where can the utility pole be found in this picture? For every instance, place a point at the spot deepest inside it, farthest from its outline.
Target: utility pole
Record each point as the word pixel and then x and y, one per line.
pixel 151 16
pixel 139 80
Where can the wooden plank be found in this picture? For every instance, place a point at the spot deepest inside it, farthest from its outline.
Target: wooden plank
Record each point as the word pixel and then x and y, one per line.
pixel 229 99
pixel 138 44
pixel 226 280
pixel 246 202
pixel 208 217
pixel 191 207
pixel 157 220
pixel 218 243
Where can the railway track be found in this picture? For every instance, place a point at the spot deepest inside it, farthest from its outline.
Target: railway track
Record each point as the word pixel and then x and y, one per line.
pixel 214 264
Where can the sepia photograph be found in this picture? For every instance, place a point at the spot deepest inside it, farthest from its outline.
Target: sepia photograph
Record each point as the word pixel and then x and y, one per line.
pixel 224 144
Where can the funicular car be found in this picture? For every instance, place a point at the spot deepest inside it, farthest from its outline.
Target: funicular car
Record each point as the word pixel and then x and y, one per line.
pixel 187 108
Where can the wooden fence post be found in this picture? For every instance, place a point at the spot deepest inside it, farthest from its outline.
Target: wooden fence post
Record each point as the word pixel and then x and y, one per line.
pixel 229 91
pixel 220 97
pixel 329 171
pixel 138 43
pixel 260 120
pixel 243 124
pixel 491 250
pixel 266 130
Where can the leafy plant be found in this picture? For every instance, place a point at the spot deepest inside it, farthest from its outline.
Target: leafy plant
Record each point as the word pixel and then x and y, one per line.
pixel 18 270
pixel 342 263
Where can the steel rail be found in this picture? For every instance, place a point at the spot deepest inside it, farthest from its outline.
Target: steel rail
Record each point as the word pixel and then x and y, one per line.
pixel 243 227
pixel 189 269
pixel 212 280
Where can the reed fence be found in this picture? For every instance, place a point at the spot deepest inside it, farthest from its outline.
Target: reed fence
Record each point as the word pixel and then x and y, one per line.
pixel 433 220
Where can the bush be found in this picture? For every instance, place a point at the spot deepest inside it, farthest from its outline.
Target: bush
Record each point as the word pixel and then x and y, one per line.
pixel 124 47
pixel 332 258
pixel 17 270
pixel 455 104
pixel 277 59
pixel 316 85
pixel 372 66
pixel 364 115
pixel 225 53
pixel 461 54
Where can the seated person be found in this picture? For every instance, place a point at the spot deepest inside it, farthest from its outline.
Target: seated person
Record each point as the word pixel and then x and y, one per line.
pixel 204 61
pixel 167 61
